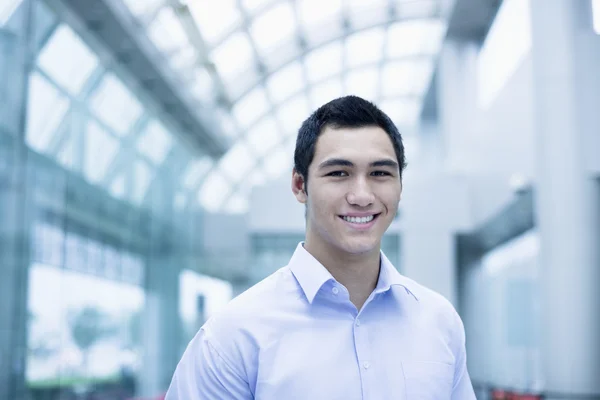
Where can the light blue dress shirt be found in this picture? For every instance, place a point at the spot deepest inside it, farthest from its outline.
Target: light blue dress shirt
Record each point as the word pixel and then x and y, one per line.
pixel 297 336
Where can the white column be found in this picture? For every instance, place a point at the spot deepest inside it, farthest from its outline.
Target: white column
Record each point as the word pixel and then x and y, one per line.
pixel 565 59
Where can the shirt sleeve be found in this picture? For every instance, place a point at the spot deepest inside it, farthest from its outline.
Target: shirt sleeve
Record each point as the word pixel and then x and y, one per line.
pixel 203 374
pixel 463 388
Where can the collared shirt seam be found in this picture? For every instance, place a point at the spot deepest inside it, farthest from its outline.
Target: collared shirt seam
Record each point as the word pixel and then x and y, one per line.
pixel 219 354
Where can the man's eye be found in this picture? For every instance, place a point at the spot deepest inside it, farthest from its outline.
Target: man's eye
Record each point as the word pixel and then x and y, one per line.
pixel 337 173
pixel 381 173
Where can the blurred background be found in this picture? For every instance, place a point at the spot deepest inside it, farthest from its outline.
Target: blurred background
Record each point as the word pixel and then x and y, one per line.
pixel 145 157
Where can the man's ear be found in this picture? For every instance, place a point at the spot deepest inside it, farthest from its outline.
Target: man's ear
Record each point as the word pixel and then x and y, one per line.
pixel 299 187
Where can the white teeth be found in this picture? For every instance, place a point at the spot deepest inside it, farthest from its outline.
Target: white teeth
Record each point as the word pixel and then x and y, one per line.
pixel 359 220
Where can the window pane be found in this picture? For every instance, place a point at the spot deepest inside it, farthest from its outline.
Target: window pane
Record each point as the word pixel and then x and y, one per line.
pixel 293 112
pixel 596 13
pixel 286 82
pixel 237 204
pixel 233 56
pixel 251 107
pixel 155 142
pixel 365 47
pixel 274 25
pixel 166 31
pixel 252 5
pixel 313 12
pixel 115 104
pixel 237 161
pixel 326 91
pixel 406 78
pixel 323 62
pixel 414 38
pixel 196 171
pixel 363 83
pixel 263 136
pixel 214 191
pixel 7 8
pixel 214 18
pixel 67 60
pixel 505 47
pixel 143 173
pixel 46 109
pixel 141 7
pixel 117 187
pixel 404 113
pixel 279 163
pixel 100 150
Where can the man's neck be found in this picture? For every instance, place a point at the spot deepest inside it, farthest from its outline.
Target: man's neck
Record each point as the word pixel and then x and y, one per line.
pixel 358 273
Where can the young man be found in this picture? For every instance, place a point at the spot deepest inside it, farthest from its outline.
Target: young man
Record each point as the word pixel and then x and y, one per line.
pixel 339 321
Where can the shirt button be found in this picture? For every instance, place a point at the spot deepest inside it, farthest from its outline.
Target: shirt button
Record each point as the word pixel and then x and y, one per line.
pixel 357 322
pixel 366 364
pixel 335 290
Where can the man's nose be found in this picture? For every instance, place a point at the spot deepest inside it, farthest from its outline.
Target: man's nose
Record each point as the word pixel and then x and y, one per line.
pixel 360 193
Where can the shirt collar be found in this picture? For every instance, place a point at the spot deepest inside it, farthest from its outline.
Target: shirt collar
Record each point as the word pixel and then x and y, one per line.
pixel 312 275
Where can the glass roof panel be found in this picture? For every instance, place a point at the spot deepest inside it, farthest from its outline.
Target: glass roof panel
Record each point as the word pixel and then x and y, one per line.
pixel 286 82
pixel 419 37
pixel 7 8
pixel 155 142
pixel 364 14
pixel 406 78
pixel 278 163
pixel 214 18
pixel 142 7
pixel 214 191
pixel 115 104
pixel 404 112
pixel 253 5
pixel 67 60
pixel 233 56
pixel 315 12
pixel 228 124
pixel 143 174
pixel 365 47
pixel 263 136
pixel 117 187
pixel 274 25
pixel 293 112
pixel 46 109
pixel 65 155
pixel 100 150
pixel 251 107
pixel 324 62
pixel 237 161
pixel 166 31
pixel 202 85
pixel 363 82
pixel 237 204
pixel 325 92
pixel 195 171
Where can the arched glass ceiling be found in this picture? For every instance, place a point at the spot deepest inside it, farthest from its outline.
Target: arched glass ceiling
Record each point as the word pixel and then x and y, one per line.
pixel 264 65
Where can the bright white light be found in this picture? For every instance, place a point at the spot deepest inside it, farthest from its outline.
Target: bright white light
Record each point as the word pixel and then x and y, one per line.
pixel 214 191
pixel 507 43
pixel 286 82
pixel 314 12
pixel 263 136
pixel 363 83
pixel 365 47
pixel 324 62
pixel 405 78
pixel 414 38
pixel 214 18
pixel 596 14
pixel 232 56
pixel 237 161
pixel 269 28
pixel 326 91
pixel 251 107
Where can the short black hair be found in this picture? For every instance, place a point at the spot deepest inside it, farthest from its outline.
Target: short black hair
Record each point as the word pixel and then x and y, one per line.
pixel 343 112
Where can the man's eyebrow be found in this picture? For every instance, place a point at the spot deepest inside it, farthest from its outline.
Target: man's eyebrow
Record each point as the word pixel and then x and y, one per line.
pixel 336 162
pixel 385 163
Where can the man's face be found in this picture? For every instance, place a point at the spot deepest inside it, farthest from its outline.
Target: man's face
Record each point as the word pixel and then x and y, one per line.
pixel 353 189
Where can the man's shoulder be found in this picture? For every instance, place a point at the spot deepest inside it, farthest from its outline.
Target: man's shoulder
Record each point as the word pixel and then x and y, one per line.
pixel 245 311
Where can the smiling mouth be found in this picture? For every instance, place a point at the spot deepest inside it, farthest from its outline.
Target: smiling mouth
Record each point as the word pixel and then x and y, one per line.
pixel 360 220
